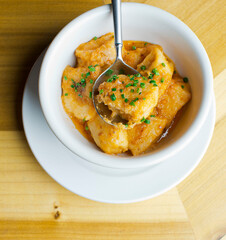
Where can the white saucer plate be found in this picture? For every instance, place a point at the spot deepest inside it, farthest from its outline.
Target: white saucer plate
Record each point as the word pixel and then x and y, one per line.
pixel 100 183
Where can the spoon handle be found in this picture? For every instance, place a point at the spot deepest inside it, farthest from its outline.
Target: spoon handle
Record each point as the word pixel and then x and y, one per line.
pixel 117 17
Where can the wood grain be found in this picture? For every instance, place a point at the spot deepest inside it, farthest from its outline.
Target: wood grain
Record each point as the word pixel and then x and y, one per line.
pixel 34 206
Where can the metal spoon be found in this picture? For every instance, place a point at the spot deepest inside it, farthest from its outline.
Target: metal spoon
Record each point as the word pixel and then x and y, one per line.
pixel 118 66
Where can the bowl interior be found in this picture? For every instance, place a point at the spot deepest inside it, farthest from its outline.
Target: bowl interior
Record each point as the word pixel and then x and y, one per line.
pixel 140 22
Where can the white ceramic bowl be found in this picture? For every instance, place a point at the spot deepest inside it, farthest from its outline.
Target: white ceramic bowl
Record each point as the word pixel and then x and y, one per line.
pixel 140 22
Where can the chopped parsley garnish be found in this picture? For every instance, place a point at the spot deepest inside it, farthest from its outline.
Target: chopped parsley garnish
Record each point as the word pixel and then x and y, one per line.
pixel 65 77
pixel 95 38
pixel 144 78
pixel 143 67
pixel 126 125
pixel 101 91
pixel 132 90
pixel 142 85
pixel 87 74
pixel 91 68
pixel 155 71
pixel 136 99
pixel 140 93
pixel 66 94
pixel 163 64
pixel 155 85
pixel 143 119
pixel 129 84
pixel 182 86
pixel 152 81
pixel 83 81
pixel 91 81
pixel 72 80
pixel 162 80
pixel 137 75
pixel 145 44
pixel 121 90
pixel 90 94
pixel 96 65
pixel 80 95
pixel 76 89
pixel 150 76
pixel 110 80
pixel 132 103
pixel 136 81
pixel 185 79
pixel 114 77
pixel 86 128
pixel 126 100
pixel 174 71
pixel 109 72
pixel 72 86
pixel 134 47
pixel 144 98
pixel 152 116
pixel 113 89
pixel 138 90
pixel 134 84
pixel 113 97
pixel 147 121
pixel 83 119
pixel 123 96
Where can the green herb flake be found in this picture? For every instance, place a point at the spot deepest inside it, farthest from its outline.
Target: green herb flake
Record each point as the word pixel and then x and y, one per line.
pixel 182 86
pixel 83 81
pixel 128 85
pixel 91 81
pixel 152 81
pixel 123 96
pixel 155 85
pixel 80 95
pixel 121 90
pixel 143 67
pixel 132 103
pixel 185 79
pixel 147 121
pixel 95 38
pixel 144 78
pixel 76 89
pixel 110 80
pixel 96 65
pixel 126 125
pixel 155 71
pixel 138 90
pixel 134 47
pixel 91 68
pixel 101 91
pixel 72 86
pixel 86 128
pixel 134 84
pixel 140 93
pixel 83 119
pixel 144 98
pixel 113 89
pixel 137 75
pixel 174 71
pixel 152 116
pixel 142 85
pixel 136 81
pixel 132 90
pixel 162 80
pixel 150 76
pixel 87 74
pixel 113 97
pixel 143 119
pixel 145 43
pixel 66 94
pixel 65 78
pixel 163 64
pixel 90 94
pixel 109 72
pixel 126 100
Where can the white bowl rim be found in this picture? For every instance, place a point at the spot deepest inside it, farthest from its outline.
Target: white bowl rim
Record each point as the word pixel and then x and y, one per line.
pixel 106 160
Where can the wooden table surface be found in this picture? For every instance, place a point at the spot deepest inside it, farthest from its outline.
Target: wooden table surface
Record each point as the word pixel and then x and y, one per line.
pixel 33 206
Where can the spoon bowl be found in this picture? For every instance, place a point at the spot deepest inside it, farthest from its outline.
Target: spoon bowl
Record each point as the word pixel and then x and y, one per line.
pixel 118 67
